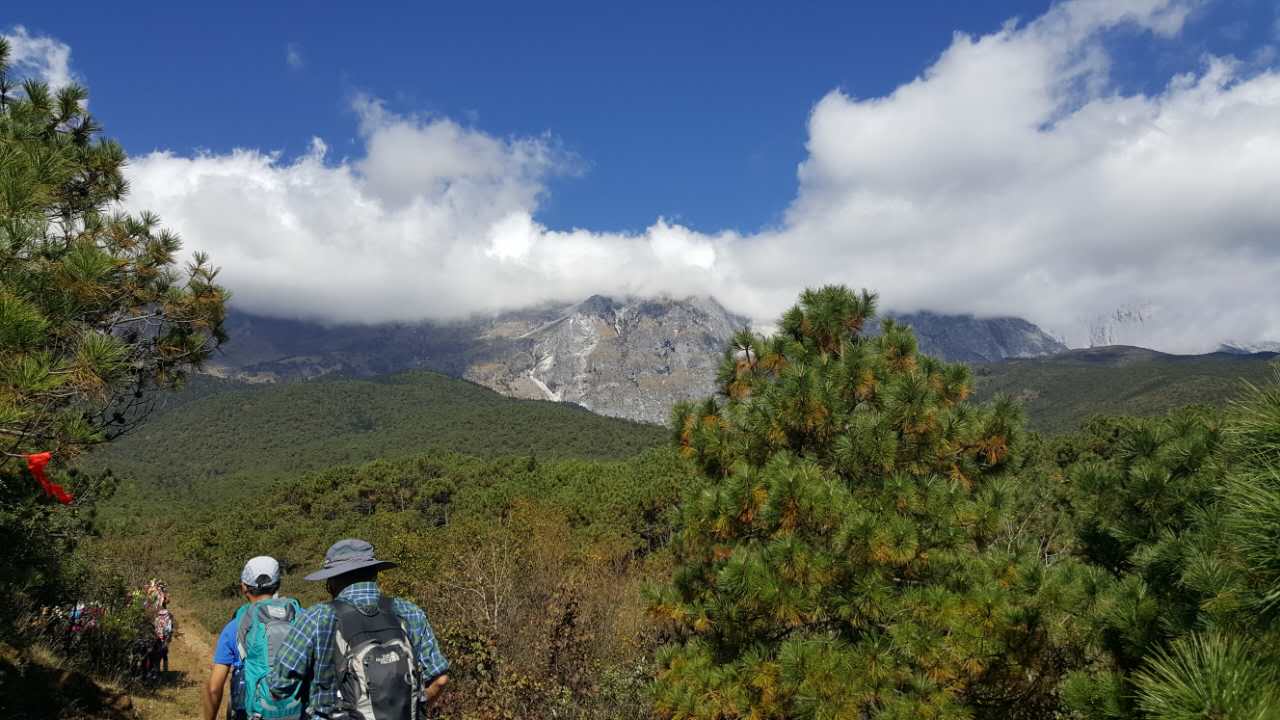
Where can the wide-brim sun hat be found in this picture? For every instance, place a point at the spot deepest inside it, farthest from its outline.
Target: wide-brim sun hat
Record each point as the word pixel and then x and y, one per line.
pixel 347 556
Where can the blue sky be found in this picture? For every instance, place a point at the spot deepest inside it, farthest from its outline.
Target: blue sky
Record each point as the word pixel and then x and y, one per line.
pixel 1072 162
pixel 694 111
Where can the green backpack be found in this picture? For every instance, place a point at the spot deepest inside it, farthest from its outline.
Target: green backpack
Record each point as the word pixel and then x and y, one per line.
pixel 261 629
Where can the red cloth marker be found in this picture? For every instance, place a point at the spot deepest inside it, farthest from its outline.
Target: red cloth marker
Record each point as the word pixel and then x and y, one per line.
pixel 36 463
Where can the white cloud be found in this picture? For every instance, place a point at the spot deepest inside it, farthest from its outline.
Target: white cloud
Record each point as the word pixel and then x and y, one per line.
pixel 1009 178
pixel 293 56
pixel 39 57
pixel 433 221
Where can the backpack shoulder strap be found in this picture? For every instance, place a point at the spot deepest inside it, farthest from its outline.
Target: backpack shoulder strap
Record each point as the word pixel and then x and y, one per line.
pixel 343 611
pixel 342 629
pixel 245 617
pixel 387 604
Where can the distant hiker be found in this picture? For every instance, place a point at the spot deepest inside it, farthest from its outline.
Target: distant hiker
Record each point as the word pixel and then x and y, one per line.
pixel 157 594
pixel 363 655
pixel 249 645
pixel 163 626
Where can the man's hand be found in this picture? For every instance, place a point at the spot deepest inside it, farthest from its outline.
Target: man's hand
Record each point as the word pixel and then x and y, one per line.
pixel 436 687
pixel 211 698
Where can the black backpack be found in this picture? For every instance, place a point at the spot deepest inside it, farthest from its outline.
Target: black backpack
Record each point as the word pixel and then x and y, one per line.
pixel 377 675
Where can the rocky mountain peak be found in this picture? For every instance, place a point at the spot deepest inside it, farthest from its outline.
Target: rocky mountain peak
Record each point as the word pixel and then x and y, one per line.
pixel 625 356
pixel 965 338
pixel 599 305
pixel 628 357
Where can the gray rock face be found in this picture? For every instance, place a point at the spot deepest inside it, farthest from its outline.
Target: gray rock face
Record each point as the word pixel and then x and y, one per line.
pixel 625 357
pixel 964 338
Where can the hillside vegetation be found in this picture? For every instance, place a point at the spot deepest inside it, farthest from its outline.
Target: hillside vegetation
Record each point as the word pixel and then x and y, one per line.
pixel 1060 392
pixel 843 533
pixel 532 571
pixel 219 433
pixel 220 436
pixel 97 317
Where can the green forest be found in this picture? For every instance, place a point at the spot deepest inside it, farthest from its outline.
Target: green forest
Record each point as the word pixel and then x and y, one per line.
pixel 842 531
pixel 218 436
pixel 1061 392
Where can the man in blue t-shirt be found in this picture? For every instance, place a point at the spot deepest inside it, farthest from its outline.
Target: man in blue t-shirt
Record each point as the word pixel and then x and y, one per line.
pixel 260 580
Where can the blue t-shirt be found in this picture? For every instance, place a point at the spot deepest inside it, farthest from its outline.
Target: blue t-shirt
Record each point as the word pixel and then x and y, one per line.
pixel 227 653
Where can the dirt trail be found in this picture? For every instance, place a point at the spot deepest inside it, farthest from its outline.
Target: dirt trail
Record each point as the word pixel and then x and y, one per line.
pixel 190 653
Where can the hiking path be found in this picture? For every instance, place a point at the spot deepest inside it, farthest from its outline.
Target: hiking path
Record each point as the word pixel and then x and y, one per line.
pixel 190 653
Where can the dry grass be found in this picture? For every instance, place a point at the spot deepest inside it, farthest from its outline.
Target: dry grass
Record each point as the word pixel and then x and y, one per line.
pixel 35 684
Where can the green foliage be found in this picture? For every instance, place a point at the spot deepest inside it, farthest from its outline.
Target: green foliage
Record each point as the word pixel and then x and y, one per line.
pixel 1153 480
pixel 41 565
pixel 95 317
pixel 430 496
pixel 229 438
pixel 1179 514
pixel 842 557
pixel 530 569
pixel 1211 676
pixel 1061 392
pixel 855 539
pixel 1253 489
pixel 93 311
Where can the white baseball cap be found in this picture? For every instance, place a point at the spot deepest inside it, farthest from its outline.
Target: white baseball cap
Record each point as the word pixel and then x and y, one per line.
pixel 261 572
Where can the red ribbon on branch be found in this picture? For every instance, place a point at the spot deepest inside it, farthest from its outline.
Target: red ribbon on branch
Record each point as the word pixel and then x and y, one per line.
pixel 36 463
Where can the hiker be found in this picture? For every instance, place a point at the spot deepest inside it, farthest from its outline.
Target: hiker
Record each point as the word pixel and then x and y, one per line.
pixel 248 646
pixel 163 626
pixel 156 593
pixel 361 639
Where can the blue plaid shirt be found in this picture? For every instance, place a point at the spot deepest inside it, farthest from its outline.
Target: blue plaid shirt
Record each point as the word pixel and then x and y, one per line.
pixel 307 653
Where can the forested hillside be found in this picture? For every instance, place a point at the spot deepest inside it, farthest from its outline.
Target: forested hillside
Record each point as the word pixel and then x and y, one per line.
pixel 219 436
pixel 840 505
pixel 841 531
pixel 1062 391
pixel 221 433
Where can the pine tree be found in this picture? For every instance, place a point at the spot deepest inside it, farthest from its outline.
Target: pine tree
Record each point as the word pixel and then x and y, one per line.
pixel 839 559
pixel 94 313
pixel 1181 516
pixel 95 317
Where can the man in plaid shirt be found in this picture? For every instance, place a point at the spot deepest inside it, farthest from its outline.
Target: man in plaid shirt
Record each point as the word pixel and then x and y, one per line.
pixel 350 572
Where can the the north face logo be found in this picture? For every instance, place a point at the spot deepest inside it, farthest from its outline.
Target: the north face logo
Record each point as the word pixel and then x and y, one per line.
pixel 389 658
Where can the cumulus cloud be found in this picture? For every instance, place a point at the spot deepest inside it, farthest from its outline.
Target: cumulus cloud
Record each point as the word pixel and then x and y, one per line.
pixel 40 57
pixel 433 221
pixel 1010 177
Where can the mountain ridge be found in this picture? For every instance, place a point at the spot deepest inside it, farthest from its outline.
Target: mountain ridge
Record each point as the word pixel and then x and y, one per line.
pixel 622 356
pixel 1236 347
pixel 1061 391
